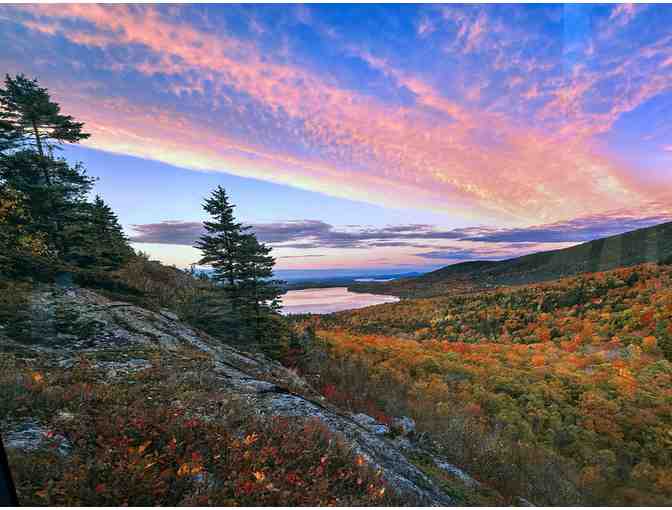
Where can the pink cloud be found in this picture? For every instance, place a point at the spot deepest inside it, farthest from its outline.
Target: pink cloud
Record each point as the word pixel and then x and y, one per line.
pixel 475 33
pixel 471 28
pixel 623 13
pixel 425 27
pixel 430 154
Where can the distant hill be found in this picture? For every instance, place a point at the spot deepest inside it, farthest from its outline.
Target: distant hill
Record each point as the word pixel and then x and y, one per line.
pixel 651 244
pixel 341 281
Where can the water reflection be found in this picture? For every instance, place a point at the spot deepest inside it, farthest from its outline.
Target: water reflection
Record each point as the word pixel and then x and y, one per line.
pixel 333 299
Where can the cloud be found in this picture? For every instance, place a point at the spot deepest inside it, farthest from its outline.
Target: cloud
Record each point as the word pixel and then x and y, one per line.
pixel 425 27
pixel 282 232
pixel 310 234
pixel 256 111
pixel 466 243
pixel 471 27
pixel 301 256
pixel 475 32
pixel 302 234
pixel 461 254
pixel 187 232
pixel 168 232
pixel 581 229
pixel 622 14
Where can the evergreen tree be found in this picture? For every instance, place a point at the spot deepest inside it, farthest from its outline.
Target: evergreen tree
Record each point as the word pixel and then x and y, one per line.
pixel 54 207
pixel 259 291
pixel 114 249
pixel 31 127
pixel 243 301
pixel 220 246
pixel 97 240
pixel 30 120
pixel 54 192
pixel 19 248
pixel 9 137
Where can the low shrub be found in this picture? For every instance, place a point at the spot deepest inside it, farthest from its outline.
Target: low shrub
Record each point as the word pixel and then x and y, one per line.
pixel 161 436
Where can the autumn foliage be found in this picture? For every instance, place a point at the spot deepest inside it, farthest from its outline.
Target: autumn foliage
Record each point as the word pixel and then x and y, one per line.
pixel 154 438
pixel 560 392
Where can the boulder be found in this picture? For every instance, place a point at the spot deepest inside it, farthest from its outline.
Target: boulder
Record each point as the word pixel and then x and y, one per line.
pixel 520 501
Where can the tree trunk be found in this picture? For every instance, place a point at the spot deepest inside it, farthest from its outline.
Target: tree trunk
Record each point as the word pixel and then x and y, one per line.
pixel 256 307
pixel 38 139
pixel 40 150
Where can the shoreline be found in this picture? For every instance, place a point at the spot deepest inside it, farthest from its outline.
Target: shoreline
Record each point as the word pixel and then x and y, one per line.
pixel 326 300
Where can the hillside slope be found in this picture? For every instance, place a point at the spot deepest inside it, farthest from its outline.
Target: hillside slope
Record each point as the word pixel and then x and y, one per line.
pixel 631 248
pixel 557 391
pixel 95 389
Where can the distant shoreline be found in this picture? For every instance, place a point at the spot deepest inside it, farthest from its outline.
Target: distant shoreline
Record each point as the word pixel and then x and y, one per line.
pixel 344 281
pixel 320 301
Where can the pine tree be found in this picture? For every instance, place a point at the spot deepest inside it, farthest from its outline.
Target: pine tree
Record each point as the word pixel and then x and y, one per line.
pixel 54 192
pixel 98 242
pixel 259 292
pixel 220 246
pixel 29 119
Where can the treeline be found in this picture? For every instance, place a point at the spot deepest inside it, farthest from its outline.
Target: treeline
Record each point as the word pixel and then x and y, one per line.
pixel 51 230
pixel 48 226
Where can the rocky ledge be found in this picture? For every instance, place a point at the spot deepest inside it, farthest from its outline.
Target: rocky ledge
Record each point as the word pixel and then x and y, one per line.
pixel 69 322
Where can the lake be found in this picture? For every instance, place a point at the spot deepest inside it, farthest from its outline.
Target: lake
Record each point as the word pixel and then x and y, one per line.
pixel 332 299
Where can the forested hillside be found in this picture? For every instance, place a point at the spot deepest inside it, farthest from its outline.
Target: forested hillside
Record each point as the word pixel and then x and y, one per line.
pixel 558 391
pixel 650 244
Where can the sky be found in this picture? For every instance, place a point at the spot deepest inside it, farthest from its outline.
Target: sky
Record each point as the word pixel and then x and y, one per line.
pixel 382 137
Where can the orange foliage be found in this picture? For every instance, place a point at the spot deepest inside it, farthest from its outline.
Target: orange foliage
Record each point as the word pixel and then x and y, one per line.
pixel 483 353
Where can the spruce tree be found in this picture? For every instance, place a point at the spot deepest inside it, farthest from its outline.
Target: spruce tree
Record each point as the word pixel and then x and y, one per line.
pixel 114 249
pixel 98 242
pixel 220 246
pixel 243 302
pixel 259 291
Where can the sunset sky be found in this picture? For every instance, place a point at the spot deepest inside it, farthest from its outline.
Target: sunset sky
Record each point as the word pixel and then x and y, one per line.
pixel 381 136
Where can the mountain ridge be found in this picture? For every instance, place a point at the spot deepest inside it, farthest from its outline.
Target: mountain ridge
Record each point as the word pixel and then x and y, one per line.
pixel 650 244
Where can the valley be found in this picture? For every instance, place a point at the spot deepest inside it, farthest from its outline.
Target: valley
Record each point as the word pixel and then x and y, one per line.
pixel 556 391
